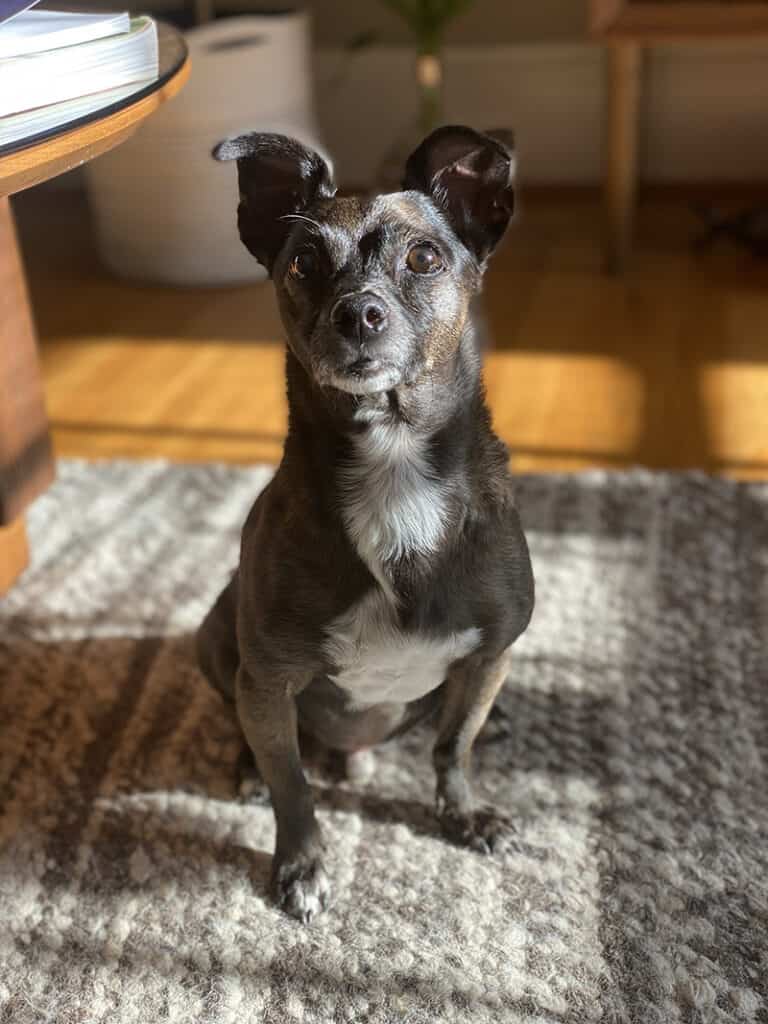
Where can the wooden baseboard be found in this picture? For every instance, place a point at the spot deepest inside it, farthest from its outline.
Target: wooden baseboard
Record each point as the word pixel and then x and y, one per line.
pixel 14 553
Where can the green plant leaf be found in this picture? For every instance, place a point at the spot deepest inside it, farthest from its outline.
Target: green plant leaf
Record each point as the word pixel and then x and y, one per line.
pixel 427 19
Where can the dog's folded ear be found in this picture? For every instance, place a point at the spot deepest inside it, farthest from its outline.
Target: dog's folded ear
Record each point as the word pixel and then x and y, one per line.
pixel 278 176
pixel 470 176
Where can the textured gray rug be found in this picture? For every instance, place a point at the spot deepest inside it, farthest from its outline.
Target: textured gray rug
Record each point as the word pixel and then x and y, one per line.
pixel 630 746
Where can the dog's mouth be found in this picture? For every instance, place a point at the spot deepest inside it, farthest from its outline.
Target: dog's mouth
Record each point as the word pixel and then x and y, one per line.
pixel 365 376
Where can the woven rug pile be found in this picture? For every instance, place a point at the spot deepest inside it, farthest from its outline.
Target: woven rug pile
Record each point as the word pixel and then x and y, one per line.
pixel 630 744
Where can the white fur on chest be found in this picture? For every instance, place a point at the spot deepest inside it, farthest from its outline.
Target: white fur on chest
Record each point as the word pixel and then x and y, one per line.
pixel 393 505
pixel 375 661
pixel 391 502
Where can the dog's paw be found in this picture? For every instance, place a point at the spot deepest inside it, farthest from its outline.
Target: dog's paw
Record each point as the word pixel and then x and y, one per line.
pixel 252 789
pixel 301 887
pixel 483 830
pixel 360 767
pixel 334 766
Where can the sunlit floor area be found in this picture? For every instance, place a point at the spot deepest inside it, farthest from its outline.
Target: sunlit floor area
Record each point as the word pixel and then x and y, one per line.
pixel 666 367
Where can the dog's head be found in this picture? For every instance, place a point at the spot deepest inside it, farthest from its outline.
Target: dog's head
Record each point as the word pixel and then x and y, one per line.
pixel 373 292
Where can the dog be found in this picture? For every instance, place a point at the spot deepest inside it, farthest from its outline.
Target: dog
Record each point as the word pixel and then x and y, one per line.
pixel 383 573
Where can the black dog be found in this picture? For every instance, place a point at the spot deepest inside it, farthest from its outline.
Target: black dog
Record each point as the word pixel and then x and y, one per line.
pixel 383 573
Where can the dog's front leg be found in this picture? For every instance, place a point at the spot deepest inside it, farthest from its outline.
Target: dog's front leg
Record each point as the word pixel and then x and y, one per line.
pixel 267 714
pixel 470 690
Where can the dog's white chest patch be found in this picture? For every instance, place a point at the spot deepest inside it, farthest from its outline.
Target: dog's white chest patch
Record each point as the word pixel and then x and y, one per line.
pixel 375 661
pixel 391 502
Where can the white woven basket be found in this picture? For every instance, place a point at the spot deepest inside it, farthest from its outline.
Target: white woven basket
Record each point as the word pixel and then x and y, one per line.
pixel 164 209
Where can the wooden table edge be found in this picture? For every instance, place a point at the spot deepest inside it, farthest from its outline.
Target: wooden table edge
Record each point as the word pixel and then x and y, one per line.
pixel 692 21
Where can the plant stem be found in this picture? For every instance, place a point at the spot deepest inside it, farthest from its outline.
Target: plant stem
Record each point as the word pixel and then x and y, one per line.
pixel 429 74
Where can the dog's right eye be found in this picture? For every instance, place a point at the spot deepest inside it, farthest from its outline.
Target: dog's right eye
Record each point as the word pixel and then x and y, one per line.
pixel 424 258
pixel 302 265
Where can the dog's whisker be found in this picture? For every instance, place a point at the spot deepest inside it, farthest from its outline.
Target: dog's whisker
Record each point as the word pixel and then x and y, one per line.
pixel 300 217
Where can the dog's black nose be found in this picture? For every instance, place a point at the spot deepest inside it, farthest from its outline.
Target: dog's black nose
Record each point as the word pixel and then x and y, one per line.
pixel 359 316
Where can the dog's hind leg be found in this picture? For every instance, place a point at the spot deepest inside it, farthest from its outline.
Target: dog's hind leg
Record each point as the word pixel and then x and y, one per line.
pixel 216 642
pixel 219 660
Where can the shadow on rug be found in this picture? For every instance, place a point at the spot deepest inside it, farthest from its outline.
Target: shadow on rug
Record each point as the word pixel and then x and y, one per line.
pixel 629 744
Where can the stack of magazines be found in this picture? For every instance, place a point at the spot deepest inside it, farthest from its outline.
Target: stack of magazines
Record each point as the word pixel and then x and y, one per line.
pixel 59 66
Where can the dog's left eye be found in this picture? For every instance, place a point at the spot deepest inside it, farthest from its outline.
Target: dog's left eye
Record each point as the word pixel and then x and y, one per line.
pixel 302 265
pixel 424 259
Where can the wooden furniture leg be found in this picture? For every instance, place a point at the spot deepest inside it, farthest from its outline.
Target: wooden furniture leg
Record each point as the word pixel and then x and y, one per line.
pixel 621 132
pixel 14 553
pixel 26 460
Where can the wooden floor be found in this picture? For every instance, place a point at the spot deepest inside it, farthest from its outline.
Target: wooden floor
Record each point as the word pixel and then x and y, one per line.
pixel 667 367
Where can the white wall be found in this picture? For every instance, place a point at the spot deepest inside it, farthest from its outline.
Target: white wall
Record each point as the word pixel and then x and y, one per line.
pixel 705 108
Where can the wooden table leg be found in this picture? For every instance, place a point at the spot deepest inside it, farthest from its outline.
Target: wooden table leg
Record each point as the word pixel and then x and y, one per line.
pixel 14 553
pixel 623 84
pixel 26 459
